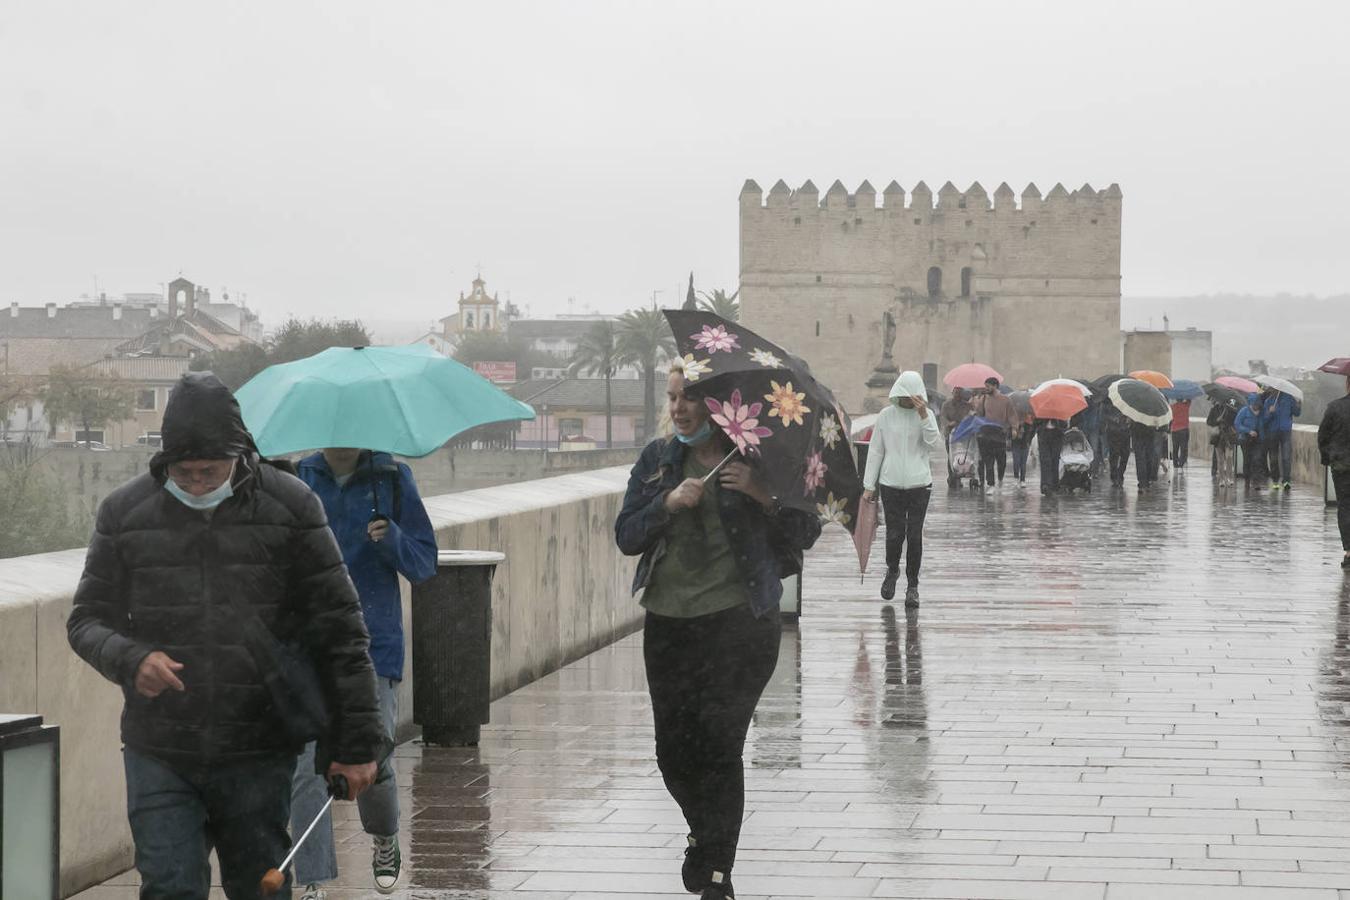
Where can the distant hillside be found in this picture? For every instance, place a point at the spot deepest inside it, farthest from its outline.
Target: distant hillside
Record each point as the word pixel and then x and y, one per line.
pixel 1283 329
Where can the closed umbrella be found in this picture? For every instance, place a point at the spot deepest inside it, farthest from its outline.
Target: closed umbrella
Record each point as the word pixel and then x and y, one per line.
pixel 865 533
pixel 1183 389
pixel 1283 385
pixel 1157 379
pixel 970 376
pixel 1140 402
pixel 1338 366
pixel 1058 401
pixel 1238 383
pixel 406 400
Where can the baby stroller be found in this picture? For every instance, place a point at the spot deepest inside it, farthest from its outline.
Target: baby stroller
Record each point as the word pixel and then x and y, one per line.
pixel 1075 461
pixel 963 453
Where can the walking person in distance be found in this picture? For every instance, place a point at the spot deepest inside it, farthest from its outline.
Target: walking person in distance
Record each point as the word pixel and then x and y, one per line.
pixel 899 465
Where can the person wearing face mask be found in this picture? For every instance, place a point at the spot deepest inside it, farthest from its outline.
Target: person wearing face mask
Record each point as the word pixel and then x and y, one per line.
pixel 715 546
pixel 899 465
pixel 181 557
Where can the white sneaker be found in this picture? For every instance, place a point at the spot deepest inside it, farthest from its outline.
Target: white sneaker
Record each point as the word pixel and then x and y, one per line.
pixel 386 863
pixel 314 892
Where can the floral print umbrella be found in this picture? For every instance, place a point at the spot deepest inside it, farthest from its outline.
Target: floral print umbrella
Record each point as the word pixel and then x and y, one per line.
pixel 777 415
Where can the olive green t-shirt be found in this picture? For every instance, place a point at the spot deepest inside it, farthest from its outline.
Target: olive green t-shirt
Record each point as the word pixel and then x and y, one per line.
pixel 698 574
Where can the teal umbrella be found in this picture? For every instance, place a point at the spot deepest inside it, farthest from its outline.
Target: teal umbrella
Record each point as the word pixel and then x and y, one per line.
pixel 405 400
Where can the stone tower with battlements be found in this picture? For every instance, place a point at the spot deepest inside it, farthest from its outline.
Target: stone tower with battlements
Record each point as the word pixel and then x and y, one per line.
pixel 1032 289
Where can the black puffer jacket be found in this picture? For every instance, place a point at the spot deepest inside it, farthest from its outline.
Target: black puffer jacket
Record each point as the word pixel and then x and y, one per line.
pixel 161 576
pixel 1333 436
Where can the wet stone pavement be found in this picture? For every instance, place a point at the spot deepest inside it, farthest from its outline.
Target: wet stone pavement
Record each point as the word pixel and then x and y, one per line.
pixel 1104 696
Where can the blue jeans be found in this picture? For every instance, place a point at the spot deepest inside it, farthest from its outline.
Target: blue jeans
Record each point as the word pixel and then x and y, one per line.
pixel 240 809
pixel 316 860
pixel 1284 447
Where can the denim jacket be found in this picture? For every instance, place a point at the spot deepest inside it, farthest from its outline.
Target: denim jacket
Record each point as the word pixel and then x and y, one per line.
pixel 767 547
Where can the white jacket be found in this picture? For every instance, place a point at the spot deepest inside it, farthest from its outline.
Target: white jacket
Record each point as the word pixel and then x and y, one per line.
pixel 900 455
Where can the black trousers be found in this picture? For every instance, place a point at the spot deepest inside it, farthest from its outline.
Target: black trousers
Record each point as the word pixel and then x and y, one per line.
pixel 1145 459
pixel 993 458
pixel 1252 465
pixel 905 510
pixel 1051 444
pixel 1181 447
pixel 1342 481
pixel 1120 460
pixel 706 675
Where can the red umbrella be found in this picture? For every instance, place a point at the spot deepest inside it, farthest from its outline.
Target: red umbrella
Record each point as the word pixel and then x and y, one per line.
pixel 1238 383
pixel 865 533
pixel 1058 401
pixel 970 376
pixel 1338 366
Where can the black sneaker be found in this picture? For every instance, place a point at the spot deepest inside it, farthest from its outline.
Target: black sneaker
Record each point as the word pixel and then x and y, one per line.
pixel 912 596
pixel 694 872
pixel 720 888
pixel 888 585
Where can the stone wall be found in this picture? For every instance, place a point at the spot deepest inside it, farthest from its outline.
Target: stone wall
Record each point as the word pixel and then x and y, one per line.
pixel 87 476
pixel 562 592
pixel 1308 468
pixel 1034 289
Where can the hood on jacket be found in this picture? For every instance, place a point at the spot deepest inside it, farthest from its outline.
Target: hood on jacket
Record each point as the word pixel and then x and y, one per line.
pixel 201 421
pixel 909 384
pixel 1253 399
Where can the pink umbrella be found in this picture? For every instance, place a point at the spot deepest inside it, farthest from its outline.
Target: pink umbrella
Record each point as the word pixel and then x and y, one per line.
pixel 1245 385
pixel 865 533
pixel 970 376
pixel 1338 366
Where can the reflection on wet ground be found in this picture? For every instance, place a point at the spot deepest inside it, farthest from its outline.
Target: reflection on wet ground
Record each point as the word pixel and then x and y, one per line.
pixel 1102 696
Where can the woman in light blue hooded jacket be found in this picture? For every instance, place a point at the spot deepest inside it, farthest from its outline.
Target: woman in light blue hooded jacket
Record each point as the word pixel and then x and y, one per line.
pixel 899 464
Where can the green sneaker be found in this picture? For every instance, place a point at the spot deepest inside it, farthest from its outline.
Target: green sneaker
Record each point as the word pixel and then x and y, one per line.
pixel 1275 485
pixel 386 863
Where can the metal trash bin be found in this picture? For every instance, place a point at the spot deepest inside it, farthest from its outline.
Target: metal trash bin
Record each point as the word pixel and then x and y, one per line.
pixel 452 647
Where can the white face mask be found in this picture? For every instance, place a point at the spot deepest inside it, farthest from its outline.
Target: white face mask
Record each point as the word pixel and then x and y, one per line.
pixel 206 501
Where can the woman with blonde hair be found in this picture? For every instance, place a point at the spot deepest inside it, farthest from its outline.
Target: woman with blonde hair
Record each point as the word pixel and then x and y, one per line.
pixel 715 546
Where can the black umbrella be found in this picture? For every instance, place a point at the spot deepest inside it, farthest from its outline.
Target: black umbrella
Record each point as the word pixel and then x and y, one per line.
pixel 1223 394
pixel 1140 402
pixel 1103 383
pixel 767 402
pixel 1098 394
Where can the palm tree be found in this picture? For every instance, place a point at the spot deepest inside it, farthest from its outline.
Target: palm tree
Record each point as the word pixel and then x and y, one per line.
pixel 598 354
pixel 719 304
pixel 644 340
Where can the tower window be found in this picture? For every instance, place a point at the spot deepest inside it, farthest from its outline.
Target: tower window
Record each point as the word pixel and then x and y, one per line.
pixel 934 283
pixel 817 328
pixel 967 276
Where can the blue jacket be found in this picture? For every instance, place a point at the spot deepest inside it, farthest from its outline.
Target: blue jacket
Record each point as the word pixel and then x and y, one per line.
pixel 767 547
pixel 409 548
pixel 1246 422
pixel 1279 412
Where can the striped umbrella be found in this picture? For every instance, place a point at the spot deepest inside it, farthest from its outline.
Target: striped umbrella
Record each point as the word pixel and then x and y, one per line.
pixel 1140 402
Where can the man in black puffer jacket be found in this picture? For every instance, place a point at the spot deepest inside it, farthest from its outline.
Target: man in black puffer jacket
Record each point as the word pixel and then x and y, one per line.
pixel 1333 442
pixel 157 611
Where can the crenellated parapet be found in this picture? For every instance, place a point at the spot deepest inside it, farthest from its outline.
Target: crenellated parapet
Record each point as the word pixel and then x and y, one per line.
pixel 921 199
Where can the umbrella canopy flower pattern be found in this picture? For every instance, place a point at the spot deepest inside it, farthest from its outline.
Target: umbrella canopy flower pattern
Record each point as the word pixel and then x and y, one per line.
pixel 740 421
pixel 786 404
pixel 716 339
pixel 694 368
pixel 796 436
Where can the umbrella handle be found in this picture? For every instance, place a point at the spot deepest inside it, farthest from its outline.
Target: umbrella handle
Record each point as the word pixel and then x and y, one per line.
pixel 717 468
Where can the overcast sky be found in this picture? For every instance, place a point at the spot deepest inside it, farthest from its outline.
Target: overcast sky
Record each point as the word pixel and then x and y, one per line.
pixel 359 158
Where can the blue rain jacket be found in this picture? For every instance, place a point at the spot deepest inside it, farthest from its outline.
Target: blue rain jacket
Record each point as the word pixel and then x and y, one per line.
pixel 409 549
pixel 1248 421
pixel 1279 412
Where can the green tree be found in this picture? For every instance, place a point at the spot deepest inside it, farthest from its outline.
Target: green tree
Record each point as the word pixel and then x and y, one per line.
pixel 86 398
pixel 719 304
pixel 644 339
pixel 598 354
pixel 15 391
pixel 296 339
pixel 34 516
